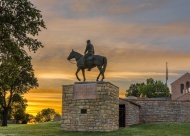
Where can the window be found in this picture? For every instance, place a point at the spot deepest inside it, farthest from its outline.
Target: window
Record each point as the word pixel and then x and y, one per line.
pixel 83 111
pixel 182 88
pixel 187 87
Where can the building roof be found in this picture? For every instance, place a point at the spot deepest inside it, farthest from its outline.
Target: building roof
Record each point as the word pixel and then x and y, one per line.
pixel 130 102
pixel 183 76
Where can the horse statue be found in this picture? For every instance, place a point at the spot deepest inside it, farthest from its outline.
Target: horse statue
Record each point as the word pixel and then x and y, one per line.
pixel 93 61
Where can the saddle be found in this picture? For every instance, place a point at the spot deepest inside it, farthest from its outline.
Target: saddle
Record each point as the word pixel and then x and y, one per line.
pixel 89 58
pixel 89 62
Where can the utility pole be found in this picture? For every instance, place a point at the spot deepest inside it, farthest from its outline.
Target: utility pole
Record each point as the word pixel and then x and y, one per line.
pixel 166 73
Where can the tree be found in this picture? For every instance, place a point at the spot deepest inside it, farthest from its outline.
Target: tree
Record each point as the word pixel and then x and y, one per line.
pixel 151 89
pixel 19 115
pixel 1 113
pixel 16 78
pixel 20 22
pixel 154 89
pixel 133 90
pixel 28 118
pixel 22 117
pixel 18 109
pixel 46 115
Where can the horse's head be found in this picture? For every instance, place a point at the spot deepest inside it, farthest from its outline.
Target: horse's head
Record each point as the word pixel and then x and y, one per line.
pixel 71 55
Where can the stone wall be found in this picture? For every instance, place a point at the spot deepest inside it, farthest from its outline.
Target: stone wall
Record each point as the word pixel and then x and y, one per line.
pixel 164 111
pixel 102 112
pixel 131 112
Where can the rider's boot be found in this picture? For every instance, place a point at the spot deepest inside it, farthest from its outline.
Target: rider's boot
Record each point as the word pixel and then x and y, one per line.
pixel 83 63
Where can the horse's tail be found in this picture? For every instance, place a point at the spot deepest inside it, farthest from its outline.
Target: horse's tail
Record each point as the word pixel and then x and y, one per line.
pixel 104 64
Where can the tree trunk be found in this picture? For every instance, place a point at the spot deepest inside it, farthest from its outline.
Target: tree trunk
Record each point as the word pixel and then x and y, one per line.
pixel 5 115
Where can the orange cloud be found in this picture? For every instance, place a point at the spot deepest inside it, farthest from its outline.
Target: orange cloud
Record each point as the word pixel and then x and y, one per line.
pixel 69 32
pixel 113 7
pixel 122 94
pixel 129 59
pixel 42 98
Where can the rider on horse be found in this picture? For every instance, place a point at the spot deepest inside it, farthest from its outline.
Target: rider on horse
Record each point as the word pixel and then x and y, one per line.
pixel 89 51
pixel 92 61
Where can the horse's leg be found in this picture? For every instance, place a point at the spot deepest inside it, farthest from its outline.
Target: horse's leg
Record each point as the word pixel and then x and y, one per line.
pixel 101 73
pixel 78 69
pixel 98 77
pixel 83 73
pixel 102 76
pixel 99 68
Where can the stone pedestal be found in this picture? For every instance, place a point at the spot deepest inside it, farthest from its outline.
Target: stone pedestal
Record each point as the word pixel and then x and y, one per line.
pixel 90 106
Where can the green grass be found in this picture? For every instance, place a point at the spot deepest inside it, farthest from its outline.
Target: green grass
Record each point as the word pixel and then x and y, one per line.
pixel 53 129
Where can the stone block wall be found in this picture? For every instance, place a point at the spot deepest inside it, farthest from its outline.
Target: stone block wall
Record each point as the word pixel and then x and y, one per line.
pixel 102 113
pixel 131 112
pixel 164 111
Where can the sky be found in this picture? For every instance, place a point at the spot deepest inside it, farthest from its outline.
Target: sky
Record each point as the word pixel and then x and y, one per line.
pixel 138 37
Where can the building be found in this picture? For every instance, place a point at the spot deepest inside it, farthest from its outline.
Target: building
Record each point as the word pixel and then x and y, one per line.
pixel 128 113
pixel 180 88
pixel 133 110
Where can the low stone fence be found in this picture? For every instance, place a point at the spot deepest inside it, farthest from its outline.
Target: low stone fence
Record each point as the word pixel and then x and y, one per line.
pixel 163 111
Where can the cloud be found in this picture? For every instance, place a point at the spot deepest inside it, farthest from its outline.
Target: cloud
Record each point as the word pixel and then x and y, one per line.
pixel 127 57
pixel 62 32
pixel 138 38
pixel 97 8
pixel 55 76
pixel 127 7
pixel 42 98
pixel 136 74
pixel 44 2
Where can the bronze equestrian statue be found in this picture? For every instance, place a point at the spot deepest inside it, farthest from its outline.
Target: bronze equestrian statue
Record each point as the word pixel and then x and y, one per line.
pixel 88 61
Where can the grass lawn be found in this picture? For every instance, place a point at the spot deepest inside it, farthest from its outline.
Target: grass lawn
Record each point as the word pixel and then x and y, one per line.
pixel 53 129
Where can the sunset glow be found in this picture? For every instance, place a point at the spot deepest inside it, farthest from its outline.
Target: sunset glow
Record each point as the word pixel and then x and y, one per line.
pixel 138 38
